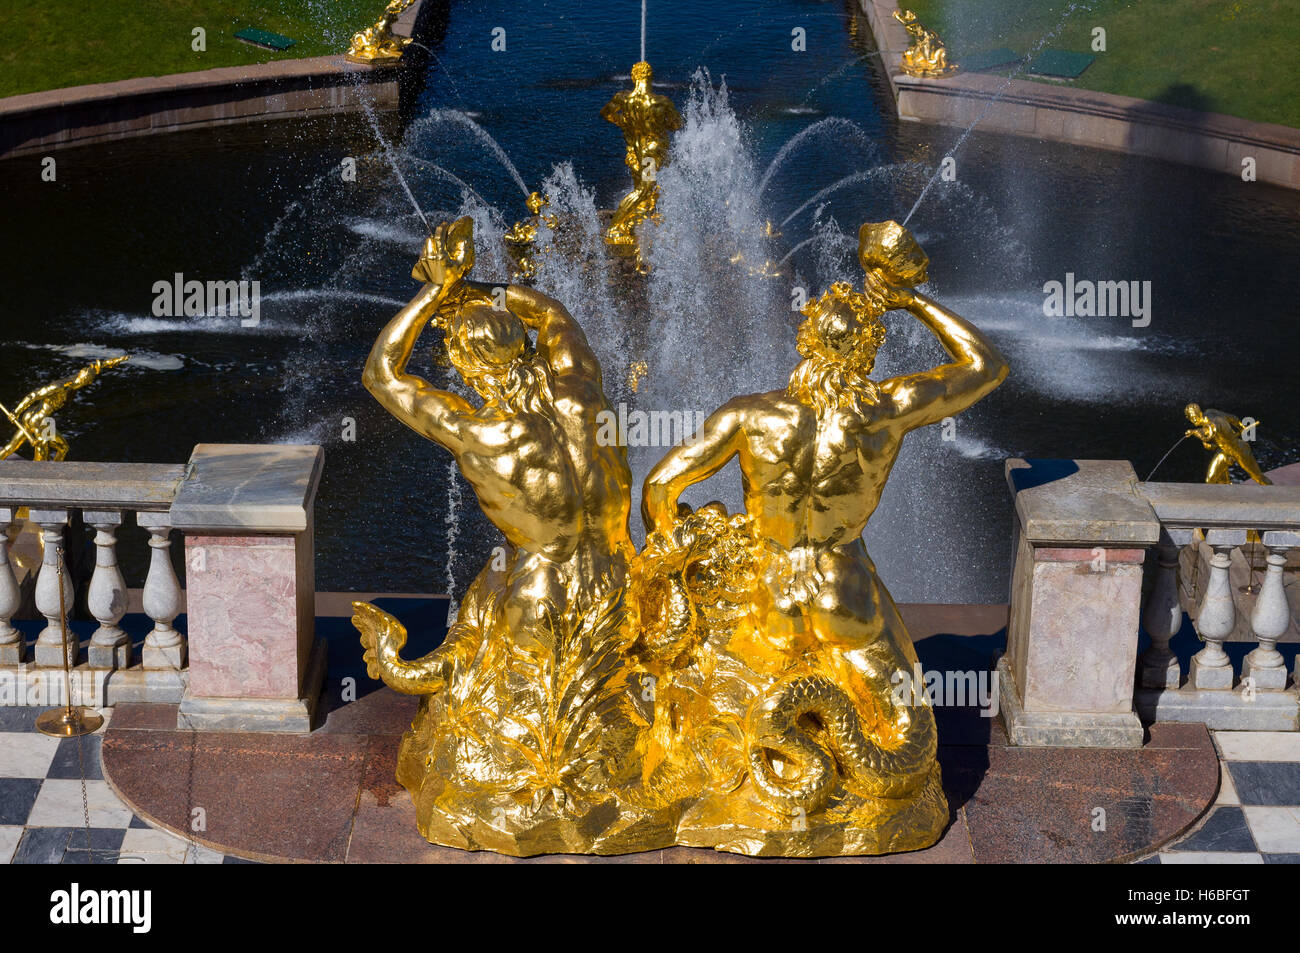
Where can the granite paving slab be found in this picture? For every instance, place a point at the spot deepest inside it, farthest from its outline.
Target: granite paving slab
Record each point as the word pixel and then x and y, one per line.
pixel 332 795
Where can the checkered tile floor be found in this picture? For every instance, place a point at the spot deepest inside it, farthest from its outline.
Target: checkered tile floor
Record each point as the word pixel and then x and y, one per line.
pixel 43 819
pixel 1257 817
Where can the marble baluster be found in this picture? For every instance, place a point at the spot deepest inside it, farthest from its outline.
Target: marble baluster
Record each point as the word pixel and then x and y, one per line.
pixel 12 644
pixel 49 644
pixel 1162 617
pixel 1211 668
pixel 164 647
pixel 110 647
pixel 1269 621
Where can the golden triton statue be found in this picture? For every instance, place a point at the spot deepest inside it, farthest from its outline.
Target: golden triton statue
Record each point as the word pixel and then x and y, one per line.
pixel 645 118
pixel 777 647
pixel 34 414
pixel 377 45
pixel 525 738
pixel 927 56
pixel 1221 434
pixel 735 685
pixel 522 236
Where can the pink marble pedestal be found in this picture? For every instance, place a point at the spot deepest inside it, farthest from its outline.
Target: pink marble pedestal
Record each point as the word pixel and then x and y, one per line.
pixel 1081 535
pixel 255 664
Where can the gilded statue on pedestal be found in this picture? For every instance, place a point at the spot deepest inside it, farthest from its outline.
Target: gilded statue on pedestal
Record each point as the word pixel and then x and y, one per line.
pixel 734 685
pixel 377 45
pixel 645 118
pixel 927 56
pixel 1221 434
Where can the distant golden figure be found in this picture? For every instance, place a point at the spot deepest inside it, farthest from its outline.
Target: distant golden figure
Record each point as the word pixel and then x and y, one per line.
pixel 33 416
pixel 776 616
pixel 377 45
pixel 522 237
pixel 645 118
pixel 1221 434
pixel 927 56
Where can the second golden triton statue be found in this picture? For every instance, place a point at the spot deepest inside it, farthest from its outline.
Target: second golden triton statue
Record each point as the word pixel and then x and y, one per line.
pixel 734 685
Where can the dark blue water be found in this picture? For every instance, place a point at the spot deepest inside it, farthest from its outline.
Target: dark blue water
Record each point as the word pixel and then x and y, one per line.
pixel 267 202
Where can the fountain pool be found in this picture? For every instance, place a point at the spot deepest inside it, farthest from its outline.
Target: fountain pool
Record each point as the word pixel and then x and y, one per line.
pixel 767 130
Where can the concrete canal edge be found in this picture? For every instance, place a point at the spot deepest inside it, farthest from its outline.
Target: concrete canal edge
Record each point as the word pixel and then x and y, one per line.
pixel 1083 117
pixel 40 123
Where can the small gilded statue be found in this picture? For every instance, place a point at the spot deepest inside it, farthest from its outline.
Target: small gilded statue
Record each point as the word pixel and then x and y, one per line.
pixel 521 239
pixel 33 416
pixel 733 685
pixel 927 56
pixel 645 118
pixel 1223 435
pixel 377 45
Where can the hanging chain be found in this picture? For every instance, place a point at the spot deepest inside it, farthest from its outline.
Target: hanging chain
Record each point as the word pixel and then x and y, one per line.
pixel 67 688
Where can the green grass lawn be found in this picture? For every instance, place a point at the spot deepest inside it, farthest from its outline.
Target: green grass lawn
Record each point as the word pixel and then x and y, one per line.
pixel 65 43
pixel 1226 56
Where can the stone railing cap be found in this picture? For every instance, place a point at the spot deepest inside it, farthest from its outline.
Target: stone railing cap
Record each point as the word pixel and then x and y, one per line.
pixel 76 484
pixel 1080 502
pixel 1224 505
pixel 258 488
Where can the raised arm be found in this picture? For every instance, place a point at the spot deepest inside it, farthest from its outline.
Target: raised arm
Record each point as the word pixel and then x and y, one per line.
pixel 414 401
pixel 561 342
pixel 692 462
pixel 976 369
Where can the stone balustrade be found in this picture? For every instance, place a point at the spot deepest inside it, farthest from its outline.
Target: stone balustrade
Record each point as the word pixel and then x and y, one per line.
pixel 1222 560
pixel 1100 555
pixel 250 660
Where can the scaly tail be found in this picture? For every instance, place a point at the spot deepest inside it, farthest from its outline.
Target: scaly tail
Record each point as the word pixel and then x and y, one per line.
pixel 382 638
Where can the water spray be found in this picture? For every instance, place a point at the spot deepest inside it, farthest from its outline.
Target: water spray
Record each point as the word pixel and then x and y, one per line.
pixel 1024 65
pixel 1166 457
pixel 367 107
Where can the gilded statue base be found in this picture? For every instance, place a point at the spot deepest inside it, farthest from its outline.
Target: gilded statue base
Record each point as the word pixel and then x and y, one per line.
pixel 850 825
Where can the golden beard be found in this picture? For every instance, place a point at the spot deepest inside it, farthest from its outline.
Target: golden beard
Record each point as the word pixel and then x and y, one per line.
pixel 826 383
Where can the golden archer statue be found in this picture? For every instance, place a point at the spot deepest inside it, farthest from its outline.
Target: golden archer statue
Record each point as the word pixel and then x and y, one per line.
pixel 1222 434
pixel 34 414
pixel 927 56
pixel 645 118
pixel 377 45
pixel 777 616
